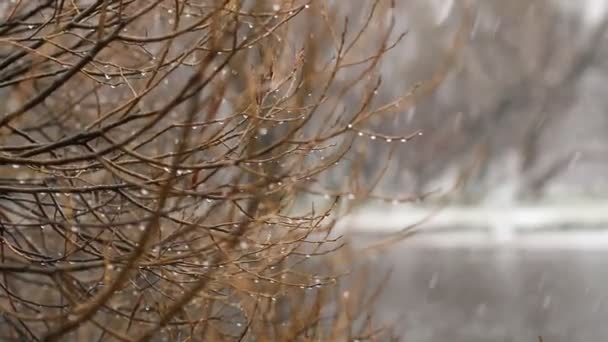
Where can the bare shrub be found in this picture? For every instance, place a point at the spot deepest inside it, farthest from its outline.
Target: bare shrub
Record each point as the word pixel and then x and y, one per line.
pixel 168 167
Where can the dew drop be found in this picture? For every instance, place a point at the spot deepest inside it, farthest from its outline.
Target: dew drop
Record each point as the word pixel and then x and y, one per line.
pixel 546 302
pixel 433 281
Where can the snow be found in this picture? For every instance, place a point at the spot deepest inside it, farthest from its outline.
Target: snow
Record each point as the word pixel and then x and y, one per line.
pixel 517 225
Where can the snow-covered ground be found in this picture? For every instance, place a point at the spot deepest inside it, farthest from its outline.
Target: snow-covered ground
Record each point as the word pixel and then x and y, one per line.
pixel 582 224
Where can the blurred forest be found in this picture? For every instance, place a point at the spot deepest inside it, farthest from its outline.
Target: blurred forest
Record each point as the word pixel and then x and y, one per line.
pixel 520 114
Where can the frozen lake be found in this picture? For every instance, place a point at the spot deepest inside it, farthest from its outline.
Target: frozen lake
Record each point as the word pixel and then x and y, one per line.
pixel 465 293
